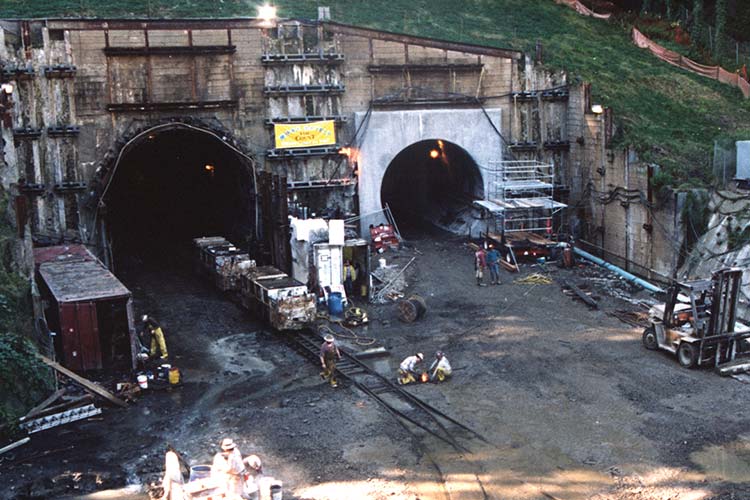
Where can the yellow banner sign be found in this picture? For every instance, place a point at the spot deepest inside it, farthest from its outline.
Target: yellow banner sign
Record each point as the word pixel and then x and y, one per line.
pixel 304 135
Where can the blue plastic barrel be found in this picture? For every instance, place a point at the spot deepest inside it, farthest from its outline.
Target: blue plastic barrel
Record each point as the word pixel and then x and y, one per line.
pixel 335 304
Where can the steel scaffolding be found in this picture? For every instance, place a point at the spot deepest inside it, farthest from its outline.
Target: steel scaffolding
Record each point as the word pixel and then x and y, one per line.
pixel 520 196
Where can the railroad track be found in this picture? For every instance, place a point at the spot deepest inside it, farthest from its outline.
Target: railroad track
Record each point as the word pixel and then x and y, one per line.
pixel 406 408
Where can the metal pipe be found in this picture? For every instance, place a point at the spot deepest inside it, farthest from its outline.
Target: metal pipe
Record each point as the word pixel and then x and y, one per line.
pixel 635 279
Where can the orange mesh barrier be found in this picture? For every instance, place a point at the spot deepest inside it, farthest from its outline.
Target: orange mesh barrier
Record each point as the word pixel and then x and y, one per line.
pixel 714 72
pixel 582 9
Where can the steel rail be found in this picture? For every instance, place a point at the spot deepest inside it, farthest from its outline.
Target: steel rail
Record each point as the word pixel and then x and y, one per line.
pixel 306 342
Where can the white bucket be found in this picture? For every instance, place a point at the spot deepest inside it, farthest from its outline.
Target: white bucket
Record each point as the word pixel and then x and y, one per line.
pixel 142 381
pixel 382 263
pixel 276 492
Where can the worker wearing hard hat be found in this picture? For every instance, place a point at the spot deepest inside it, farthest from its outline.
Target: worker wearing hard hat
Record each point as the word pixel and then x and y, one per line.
pixel 228 469
pixel 329 354
pixel 440 369
pixel 253 472
pixel 155 335
pixel 407 370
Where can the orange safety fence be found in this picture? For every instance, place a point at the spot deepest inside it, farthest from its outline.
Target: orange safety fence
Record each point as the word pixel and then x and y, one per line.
pixel 714 72
pixel 582 9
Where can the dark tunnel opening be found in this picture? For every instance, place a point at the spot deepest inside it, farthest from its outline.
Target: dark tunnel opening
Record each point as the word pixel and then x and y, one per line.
pixel 175 185
pixel 431 184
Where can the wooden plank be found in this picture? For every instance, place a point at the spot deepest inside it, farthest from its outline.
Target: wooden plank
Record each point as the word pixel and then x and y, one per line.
pixel 85 383
pixel 44 404
pixel 580 293
pixel 508 266
pixel 15 445
pixel 66 405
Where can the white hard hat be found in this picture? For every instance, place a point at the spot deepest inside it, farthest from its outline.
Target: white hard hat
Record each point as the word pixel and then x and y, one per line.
pixel 253 461
pixel 420 356
pixel 227 444
pixel 328 338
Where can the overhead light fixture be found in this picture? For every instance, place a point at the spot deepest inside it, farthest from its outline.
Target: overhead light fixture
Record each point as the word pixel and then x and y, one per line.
pixel 209 168
pixel 597 109
pixel 434 153
pixel 7 88
pixel 267 13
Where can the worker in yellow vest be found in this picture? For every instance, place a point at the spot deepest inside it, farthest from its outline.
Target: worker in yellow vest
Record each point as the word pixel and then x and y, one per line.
pixel 156 335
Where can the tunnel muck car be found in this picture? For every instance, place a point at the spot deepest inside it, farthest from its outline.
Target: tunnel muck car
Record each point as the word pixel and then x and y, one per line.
pixel 267 292
pixel 222 261
pixel 278 298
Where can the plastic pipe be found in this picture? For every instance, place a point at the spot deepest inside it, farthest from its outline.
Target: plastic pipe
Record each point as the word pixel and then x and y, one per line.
pixel 635 279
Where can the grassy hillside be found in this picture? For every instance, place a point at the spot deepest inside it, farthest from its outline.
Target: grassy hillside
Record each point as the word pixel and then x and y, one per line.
pixel 670 116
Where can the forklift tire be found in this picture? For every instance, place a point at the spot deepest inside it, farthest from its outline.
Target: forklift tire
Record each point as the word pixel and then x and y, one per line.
pixel 687 355
pixel 649 339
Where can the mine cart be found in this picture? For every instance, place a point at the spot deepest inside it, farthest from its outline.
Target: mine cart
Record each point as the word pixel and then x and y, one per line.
pixel 278 298
pixel 698 321
pixel 200 243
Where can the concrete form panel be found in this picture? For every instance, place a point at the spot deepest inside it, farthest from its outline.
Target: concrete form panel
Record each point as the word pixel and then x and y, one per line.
pixel 211 37
pixel 425 55
pixel 388 52
pixel 127 38
pixel 389 132
pixel 164 38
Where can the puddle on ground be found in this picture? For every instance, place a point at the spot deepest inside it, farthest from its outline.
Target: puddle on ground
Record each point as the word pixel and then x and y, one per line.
pixel 238 354
pixel 729 462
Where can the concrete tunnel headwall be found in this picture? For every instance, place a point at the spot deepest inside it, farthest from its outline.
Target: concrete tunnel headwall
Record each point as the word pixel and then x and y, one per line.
pixel 385 134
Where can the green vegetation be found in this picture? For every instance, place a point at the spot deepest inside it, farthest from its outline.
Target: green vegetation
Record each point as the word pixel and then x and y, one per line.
pixel 24 380
pixel 668 115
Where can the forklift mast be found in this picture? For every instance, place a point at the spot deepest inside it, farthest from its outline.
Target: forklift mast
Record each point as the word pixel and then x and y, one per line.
pixel 726 285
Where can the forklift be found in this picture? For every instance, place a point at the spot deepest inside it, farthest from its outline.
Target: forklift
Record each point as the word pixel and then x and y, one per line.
pixel 698 321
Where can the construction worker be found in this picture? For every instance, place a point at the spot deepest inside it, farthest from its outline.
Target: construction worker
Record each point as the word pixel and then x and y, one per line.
pixel 156 336
pixel 329 354
pixel 480 263
pixel 493 263
pixel 253 472
pixel 173 482
pixel 440 369
pixel 350 276
pixel 228 468
pixel 407 370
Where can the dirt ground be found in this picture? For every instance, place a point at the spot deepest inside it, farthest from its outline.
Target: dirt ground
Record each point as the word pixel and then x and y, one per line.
pixel 572 404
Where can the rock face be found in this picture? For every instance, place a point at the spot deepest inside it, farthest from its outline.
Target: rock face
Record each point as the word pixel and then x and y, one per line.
pixel 726 243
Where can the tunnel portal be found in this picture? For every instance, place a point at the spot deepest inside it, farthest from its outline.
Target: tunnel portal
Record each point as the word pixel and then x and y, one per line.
pixel 433 182
pixel 173 185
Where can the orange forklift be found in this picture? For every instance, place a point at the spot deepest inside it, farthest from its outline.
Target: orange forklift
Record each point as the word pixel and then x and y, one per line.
pixel 698 322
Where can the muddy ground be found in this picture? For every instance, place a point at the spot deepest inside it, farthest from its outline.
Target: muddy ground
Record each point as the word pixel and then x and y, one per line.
pixel 572 404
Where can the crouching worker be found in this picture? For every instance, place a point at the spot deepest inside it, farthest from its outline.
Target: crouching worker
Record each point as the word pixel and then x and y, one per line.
pixel 407 370
pixel 440 369
pixel 253 475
